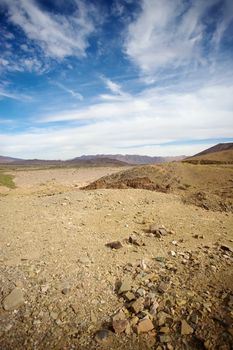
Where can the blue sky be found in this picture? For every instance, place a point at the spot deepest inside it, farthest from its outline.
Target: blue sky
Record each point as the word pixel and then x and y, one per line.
pixel 123 76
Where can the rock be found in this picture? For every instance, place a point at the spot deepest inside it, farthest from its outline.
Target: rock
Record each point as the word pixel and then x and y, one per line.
pixel 134 320
pixel 158 231
pixel 143 265
pixel 119 316
pixel 172 253
pixel 186 329
pixel 54 315
pixel 126 286
pixel 164 330
pixel 129 296
pixel 226 248
pixel 65 290
pixel 120 326
pixel 164 338
pixel 134 240
pixel 145 326
pixel 103 336
pixel 84 260
pixel 138 305
pixel 44 288
pixel 163 231
pixel 93 317
pixel 141 292
pixel 153 309
pixel 162 317
pixel 114 245
pixel 160 259
pixel 13 300
pixel 163 287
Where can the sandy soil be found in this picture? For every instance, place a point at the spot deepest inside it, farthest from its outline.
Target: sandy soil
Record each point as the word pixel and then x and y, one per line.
pixel 53 249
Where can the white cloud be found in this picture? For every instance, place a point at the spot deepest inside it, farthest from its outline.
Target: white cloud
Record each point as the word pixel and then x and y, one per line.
pixel 171 33
pixel 137 124
pixel 57 35
pixel 70 91
pixel 13 95
pixel 112 86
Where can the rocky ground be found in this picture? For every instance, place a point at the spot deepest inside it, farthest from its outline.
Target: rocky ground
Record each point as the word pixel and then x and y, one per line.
pixel 112 269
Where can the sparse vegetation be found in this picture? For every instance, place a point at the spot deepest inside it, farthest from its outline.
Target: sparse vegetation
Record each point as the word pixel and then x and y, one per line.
pixel 6 180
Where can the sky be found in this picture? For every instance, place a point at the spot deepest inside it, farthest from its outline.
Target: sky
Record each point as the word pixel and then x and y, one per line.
pixel 148 77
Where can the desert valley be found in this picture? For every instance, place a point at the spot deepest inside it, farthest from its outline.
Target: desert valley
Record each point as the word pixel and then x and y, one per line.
pixel 110 255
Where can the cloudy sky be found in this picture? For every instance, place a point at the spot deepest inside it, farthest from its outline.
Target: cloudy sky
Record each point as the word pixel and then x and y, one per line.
pixel 148 77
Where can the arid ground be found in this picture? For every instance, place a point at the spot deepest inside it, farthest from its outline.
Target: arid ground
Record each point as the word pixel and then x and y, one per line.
pixel 167 284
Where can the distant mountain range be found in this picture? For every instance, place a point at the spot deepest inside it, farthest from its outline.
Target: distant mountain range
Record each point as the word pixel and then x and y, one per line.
pixel 131 159
pixel 221 153
pixel 100 159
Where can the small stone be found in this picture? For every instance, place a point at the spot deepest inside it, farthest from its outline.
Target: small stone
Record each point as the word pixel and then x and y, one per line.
pixel 134 240
pixel 119 316
pixel 145 326
pixel 13 300
pixel 114 245
pixel 165 330
pixel 44 288
pixel 160 259
pixel 186 329
pixel 153 309
pixel 162 317
pixel 138 305
pixel 141 292
pixel 143 265
pixel 65 290
pixel 163 231
pixel 93 317
pixel 84 260
pixel 103 336
pixel 172 253
pixel 129 296
pixel 164 338
pixel 163 287
pixel 174 242
pixel 126 286
pixel 54 315
pixel 119 326
pixel 134 320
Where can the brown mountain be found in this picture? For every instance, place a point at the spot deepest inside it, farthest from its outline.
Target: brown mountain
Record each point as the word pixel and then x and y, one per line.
pixel 221 153
pixel 6 160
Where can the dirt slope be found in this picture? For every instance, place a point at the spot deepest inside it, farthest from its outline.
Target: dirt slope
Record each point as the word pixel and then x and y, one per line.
pixel 209 186
pixel 221 153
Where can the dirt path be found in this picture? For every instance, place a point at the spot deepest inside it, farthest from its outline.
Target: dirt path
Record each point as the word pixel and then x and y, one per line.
pixel 53 250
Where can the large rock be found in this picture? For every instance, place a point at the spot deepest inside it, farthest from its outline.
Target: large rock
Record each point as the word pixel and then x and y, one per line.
pixel 186 329
pixel 119 326
pixel 13 300
pixel 126 286
pixel 145 326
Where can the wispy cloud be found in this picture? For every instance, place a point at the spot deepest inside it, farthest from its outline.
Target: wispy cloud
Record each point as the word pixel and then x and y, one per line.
pixel 172 34
pixel 5 93
pixel 57 35
pixel 69 91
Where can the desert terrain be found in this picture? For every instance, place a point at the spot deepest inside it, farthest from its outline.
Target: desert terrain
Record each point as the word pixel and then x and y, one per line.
pixel 112 258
